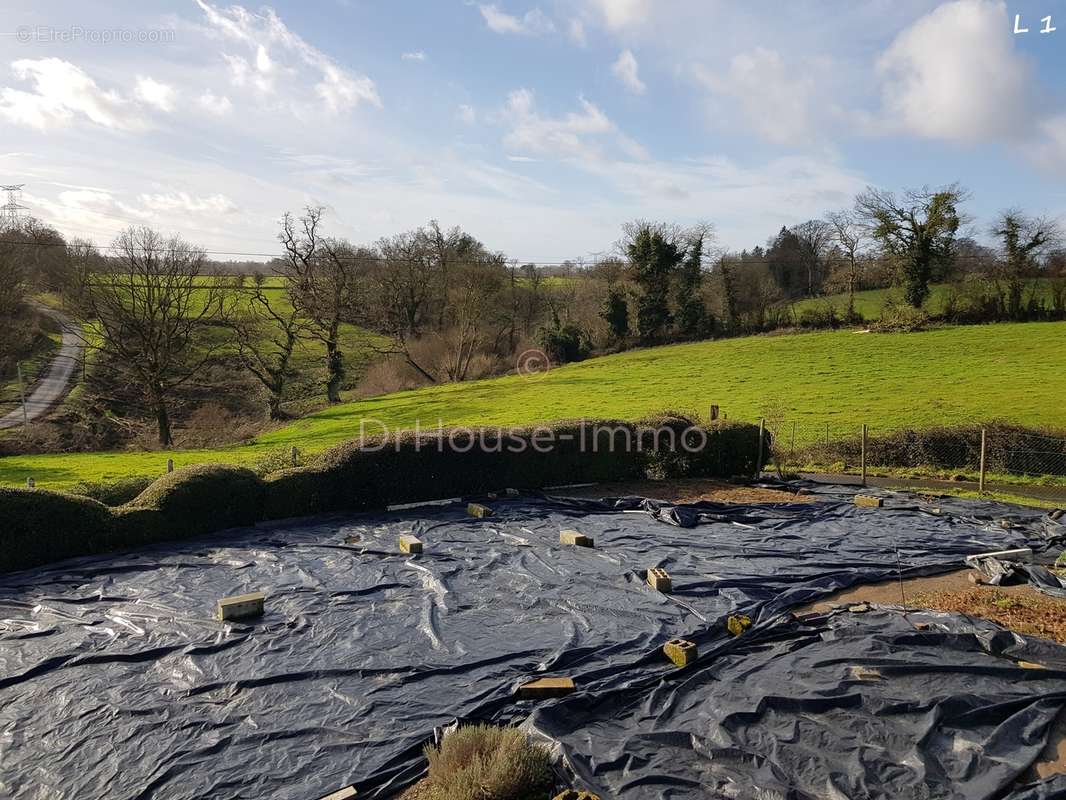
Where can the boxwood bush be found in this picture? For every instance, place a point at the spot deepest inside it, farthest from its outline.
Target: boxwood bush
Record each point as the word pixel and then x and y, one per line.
pixel 43 526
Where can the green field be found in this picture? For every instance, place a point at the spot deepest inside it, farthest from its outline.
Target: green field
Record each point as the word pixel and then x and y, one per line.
pixel 869 304
pixel 892 381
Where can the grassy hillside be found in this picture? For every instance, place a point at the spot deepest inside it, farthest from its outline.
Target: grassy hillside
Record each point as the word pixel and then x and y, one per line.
pixel 892 381
pixel 870 303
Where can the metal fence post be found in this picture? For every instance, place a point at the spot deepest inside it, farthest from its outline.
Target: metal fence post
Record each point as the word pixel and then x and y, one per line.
pixel 981 479
pixel 792 447
pixel 863 454
pixel 758 461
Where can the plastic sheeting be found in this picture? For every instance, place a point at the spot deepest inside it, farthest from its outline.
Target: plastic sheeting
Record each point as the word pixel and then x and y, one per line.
pixel 115 680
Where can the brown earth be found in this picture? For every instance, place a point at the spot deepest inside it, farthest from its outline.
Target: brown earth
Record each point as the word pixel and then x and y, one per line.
pixel 688 490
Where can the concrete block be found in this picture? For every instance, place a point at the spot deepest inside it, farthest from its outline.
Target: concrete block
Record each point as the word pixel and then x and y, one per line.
pixel 681 651
pixel 1018 554
pixel 346 793
pixel 736 624
pixel 544 688
pixel 659 580
pixel 574 794
pixel 410 544
pixel 859 608
pixel 478 510
pixel 575 538
pixel 869 501
pixel 511 492
pixel 242 606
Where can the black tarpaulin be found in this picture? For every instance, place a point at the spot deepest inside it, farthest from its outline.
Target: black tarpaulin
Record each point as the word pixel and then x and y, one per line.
pixel 115 680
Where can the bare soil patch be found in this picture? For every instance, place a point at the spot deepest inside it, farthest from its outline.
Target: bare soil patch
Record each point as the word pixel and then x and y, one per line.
pixel 688 490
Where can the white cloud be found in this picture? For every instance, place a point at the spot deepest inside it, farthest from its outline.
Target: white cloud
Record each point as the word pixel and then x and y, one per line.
pixel 774 99
pixel 577 135
pixel 154 93
pixel 954 74
pixel 61 93
pixel 182 201
pixel 576 31
pixel 416 55
pixel 625 69
pixel 467 114
pixel 217 105
pixel 620 14
pixel 533 23
pixel 264 34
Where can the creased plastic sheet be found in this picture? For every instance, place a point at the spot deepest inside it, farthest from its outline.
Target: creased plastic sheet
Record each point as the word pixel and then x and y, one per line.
pixel 116 682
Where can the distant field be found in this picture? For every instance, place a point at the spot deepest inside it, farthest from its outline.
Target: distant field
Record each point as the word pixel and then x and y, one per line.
pixel 892 381
pixel 869 304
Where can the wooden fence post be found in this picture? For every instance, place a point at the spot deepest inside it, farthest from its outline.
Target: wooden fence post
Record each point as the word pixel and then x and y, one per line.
pixel 758 461
pixel 864 454
pixel 981 479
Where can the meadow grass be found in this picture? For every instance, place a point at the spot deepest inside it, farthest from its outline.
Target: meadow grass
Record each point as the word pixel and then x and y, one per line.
pixel 870 303
pixel 944 376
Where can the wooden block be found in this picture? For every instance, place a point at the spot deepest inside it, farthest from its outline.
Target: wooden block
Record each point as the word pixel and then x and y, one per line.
pixel 544 688
pixel 478 510
pixel 576 538
pixel 242 606
pixel 869 501
pixel 1030 665
pixel 736 624
pixel 410 544
pixel 681 651
pixel 865 674
pixel 859 608
pixel 352 539
pixel 346 793
pixel 512 492
pixel 574 794
pixel 659 580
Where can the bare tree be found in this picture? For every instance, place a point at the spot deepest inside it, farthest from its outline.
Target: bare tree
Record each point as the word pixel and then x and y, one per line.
pixel 266 331
pixel 918 229
pixel 146 306
pixel 325 278
pixel 814 237
pixel 848 235
pixel 1024 240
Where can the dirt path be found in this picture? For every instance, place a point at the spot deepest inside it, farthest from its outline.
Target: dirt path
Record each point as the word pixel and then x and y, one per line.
pixel 53 386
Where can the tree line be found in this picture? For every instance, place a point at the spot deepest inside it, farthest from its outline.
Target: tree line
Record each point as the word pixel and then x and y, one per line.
pixel 442 306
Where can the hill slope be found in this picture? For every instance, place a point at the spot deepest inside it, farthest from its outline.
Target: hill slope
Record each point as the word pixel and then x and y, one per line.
pixel 891 381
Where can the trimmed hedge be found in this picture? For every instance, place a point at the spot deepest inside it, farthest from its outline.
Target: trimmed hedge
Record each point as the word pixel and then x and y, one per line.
pixel 41 526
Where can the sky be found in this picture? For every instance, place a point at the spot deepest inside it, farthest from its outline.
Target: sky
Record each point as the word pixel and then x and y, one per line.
pixel 539 126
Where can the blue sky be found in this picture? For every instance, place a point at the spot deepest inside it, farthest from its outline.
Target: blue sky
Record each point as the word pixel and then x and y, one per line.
pixel 540 127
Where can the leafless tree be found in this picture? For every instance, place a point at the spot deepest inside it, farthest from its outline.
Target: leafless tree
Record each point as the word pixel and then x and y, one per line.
pixel 326 284
pixel 848 235
pixel 814 238
pixel 266 331
pixel 146 307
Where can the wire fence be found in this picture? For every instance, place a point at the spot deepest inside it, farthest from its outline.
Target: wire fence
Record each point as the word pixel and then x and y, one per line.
pixel 998 458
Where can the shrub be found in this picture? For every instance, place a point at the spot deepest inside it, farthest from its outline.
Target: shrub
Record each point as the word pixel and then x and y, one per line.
pixel 485 762
pixel 565 343
pixel 113 494
pixel 42 526
pixel 204 498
